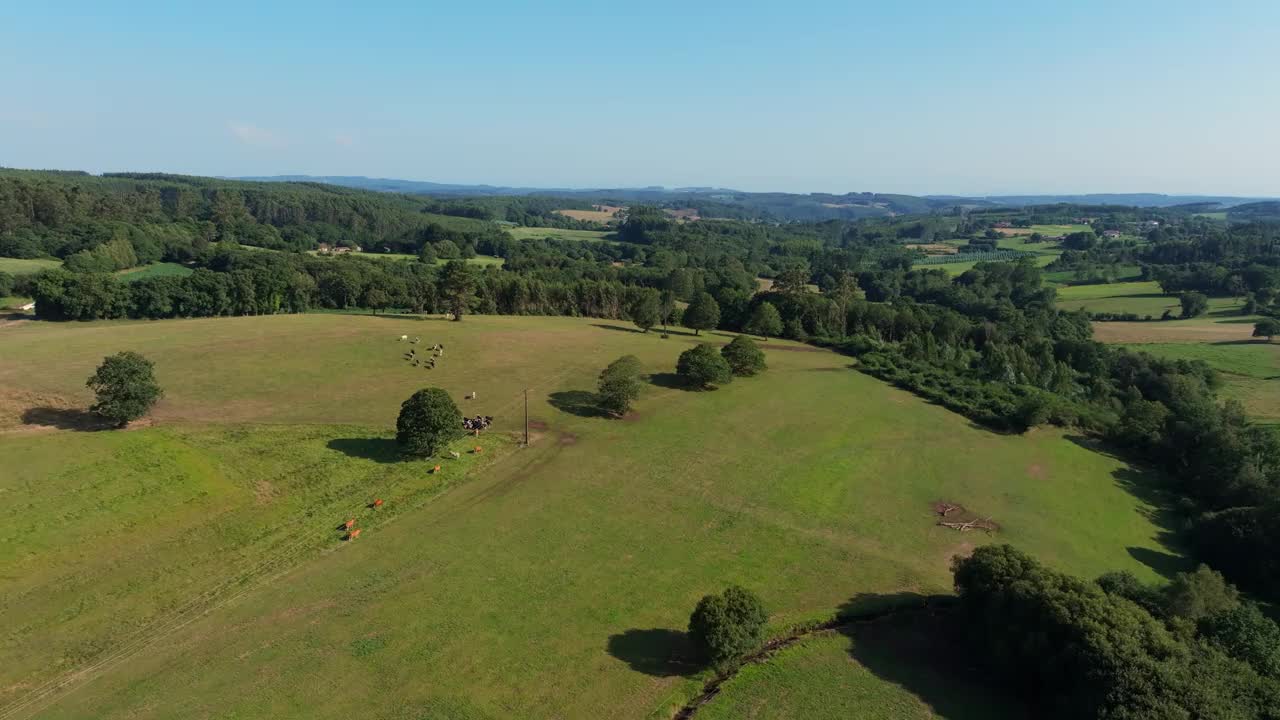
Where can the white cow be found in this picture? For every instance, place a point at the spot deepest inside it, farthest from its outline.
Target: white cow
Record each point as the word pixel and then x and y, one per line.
pixel 403 338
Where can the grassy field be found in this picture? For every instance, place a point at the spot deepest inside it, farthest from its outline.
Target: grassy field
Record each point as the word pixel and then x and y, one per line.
pixel 16 266
pixel 191 567
pixel 888 670
pixel 1140 297
pixel 959 268
pixel 481 260
pixel 1250 369
pixel 537 233
pixel 1046 230
pixel 154 270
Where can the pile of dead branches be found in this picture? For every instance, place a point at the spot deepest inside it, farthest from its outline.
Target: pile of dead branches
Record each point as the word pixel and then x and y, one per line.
pixel 958 518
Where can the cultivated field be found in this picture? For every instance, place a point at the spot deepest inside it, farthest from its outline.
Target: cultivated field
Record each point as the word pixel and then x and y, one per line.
pixel 191 567
pixel 525 233
pixel 601 213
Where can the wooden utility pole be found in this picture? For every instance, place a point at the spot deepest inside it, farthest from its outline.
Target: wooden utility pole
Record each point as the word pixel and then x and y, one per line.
pixel 526 417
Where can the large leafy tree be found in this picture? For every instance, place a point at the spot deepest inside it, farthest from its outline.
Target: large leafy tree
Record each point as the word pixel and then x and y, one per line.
pixel 765 321
pixel 428 421
pixel 702 367
pixel 126 388
pixel 744 358
pixel 727 626
pixel 457 283
pixel 1194 304
pixel 645 309
pixel 1267 327
pixel 702 314
pixel 620 384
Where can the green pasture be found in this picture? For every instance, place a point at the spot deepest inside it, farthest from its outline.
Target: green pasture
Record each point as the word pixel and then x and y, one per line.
pixel 191 567
pixel 1250 370
pixel 538 233
pixel 1139 297
pixel 888 670
pixel 481 260
pixel 959 268
pixel 19 266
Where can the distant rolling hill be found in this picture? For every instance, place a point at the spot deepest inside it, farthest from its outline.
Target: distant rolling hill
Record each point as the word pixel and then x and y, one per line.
pixel 715 202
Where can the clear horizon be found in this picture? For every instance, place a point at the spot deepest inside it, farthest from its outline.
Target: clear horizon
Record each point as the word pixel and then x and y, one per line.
pixel 992 98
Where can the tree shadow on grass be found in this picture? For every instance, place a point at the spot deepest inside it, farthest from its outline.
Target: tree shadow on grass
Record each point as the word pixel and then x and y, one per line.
pixel 1166 564
pixel 66 419
pixel 918 648
pixel 577 402
pixel 619 328
pixel 1150 486
pixel 659 652
pixel 381 450
pixel 671 381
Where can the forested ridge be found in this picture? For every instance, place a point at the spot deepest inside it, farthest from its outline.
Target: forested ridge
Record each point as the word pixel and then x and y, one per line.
pixel 988 342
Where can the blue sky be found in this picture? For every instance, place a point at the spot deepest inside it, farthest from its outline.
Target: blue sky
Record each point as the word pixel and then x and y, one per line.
pixel 918 97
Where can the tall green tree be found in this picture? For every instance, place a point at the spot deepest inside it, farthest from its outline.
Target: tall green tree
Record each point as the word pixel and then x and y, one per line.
pixel 702 314
pixel 1267 327
pixel 727 626
pixel 428 421
pixel 765 321
pixel 703 368
pixel 1194 304
pixel 645 309
pixel 744 358
pixel 619 385
pixel 125 386
pixel 457 284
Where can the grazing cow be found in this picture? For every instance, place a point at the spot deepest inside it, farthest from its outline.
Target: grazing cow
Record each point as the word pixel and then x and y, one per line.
pixel 403 338
pixel 478 450
pixel 377 503
pixel 350 523
pixel 435 470
pixel 353 535
pixel 455 455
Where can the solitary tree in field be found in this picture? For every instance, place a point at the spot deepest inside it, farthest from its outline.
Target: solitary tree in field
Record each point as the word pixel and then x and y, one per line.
pixel 125 385
pixel 619 385
pixel 1267 327
pixel 646 309
pixel 428 421
pixel 703 368
pixel 744 358
pixel 457 283
pixel 765 321
pixel 725 627
pixel 1194 304
pixel 702 314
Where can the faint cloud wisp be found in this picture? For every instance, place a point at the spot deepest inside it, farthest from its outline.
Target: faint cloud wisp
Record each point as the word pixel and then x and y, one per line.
pixel 253 135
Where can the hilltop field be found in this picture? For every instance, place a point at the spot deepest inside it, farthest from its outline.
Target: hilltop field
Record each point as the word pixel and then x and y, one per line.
pixel 191 567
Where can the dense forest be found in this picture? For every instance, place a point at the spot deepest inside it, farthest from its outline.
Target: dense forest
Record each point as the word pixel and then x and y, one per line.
pixel 988 342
